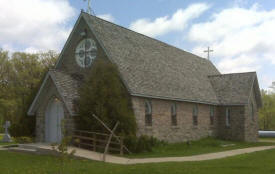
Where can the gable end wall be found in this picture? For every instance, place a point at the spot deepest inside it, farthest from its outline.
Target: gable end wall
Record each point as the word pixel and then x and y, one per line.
pixel 236 129
pixel 68 63
pixel 251 123
pixel 47 94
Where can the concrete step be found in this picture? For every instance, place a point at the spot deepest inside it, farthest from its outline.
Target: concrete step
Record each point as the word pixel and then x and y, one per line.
pixel 37 148
pixel 27 146
pixel 19 149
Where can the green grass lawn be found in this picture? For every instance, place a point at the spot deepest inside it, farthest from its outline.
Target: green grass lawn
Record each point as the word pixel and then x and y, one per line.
pixel 207 145
pixel 254 163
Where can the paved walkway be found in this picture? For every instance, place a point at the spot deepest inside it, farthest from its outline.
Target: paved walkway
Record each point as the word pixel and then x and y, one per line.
pixel 203 157
pixel 121 160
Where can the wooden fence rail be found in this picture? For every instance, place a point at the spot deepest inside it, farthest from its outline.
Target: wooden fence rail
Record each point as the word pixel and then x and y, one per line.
pixel 96 141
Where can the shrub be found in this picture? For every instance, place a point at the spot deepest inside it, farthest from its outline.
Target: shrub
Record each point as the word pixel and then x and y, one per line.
pixel 25 127
pixel 63 154
pixel 23 140
pixel 142 144
pixel 102 93
pixel 1 124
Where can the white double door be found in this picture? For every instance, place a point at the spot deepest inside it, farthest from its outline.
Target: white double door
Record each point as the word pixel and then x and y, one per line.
pixel 53 119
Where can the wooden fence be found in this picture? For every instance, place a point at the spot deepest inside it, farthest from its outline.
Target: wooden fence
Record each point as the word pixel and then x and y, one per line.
pixel 97 141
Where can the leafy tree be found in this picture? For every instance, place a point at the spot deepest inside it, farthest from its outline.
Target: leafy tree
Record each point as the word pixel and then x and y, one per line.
pixel 104 95
pixel 20 77
pixel 6 98
pixel 272 87
pixel 267 112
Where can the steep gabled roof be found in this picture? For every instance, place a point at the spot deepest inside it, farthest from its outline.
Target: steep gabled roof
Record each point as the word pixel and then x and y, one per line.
pixel 236 88
pixel 66 87
pixel 152 68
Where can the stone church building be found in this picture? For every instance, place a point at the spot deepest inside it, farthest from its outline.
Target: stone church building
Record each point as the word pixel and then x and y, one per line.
pixel 176 96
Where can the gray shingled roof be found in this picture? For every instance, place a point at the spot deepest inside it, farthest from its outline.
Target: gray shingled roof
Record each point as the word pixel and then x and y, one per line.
pixel 66 86
pixel 152 68
pixel 233 88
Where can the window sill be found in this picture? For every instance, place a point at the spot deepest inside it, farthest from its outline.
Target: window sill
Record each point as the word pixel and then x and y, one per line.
pixel 148 128
pixel 175 127
pixel 195 126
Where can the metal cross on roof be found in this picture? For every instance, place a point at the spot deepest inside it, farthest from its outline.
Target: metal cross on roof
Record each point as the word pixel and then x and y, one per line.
pixel 208 52
pixel 89 8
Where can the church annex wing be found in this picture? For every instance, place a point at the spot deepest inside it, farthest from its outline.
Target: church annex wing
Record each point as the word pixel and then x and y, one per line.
pixel 236 88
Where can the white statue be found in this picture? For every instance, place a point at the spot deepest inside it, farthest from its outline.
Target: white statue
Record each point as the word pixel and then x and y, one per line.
pixel 7 137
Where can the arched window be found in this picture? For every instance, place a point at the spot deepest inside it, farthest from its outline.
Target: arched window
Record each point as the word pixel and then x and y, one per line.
pixel 174 114
pixel 211 115
pixel 148 113
pixel 227 117
pixel 195 115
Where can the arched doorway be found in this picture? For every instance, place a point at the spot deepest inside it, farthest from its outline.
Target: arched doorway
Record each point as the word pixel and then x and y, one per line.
pixel 53 117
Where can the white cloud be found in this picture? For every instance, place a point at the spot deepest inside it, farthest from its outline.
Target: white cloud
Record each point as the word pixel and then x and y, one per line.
pixel 267 81
pixel 242 63
pixel 34 24
pixel 163 25
pixel 107 17
pixel 242 38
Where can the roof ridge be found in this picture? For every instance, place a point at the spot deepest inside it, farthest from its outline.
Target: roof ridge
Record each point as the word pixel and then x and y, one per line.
pixel 179 59
pixel 232 74
pixel 148 37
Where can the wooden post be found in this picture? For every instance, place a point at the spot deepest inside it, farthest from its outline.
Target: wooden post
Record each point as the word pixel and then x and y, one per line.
pixel 94 141
pixel 110 131
pixel 79 140
pixel 121 146
pixel 109 141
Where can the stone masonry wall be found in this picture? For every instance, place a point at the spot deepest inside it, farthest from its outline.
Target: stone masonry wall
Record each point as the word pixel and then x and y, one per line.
pixel 47 94
pixel 68 63
pixel 161 118
pixel 251 122
pixel 236 129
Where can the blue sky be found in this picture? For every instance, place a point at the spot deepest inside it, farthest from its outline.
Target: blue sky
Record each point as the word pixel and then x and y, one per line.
pixel 241 32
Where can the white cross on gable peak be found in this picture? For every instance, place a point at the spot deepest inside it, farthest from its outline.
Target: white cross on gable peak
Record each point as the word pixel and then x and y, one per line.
pixel 208 52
